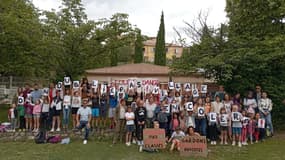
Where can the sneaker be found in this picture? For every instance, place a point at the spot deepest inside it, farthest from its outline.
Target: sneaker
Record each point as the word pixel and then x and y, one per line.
pixel 215 143
pixel 134 141
pixel 221 143
pixel 58 129
pixel 140 149
pixel 52 130
pixel 127 143
pixel 85 142
pixel 212 142
pixel 20 130
pixel 226 143
pixel 239 144
pixel 234 143
pixel 245 143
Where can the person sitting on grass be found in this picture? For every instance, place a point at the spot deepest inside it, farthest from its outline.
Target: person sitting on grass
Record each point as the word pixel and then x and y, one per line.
pixel 176 138
pixel 191 131
pixel 83 119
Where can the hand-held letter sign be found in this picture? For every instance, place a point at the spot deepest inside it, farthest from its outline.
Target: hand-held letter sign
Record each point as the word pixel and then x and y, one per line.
pixel 189 106
pixel 139 86
pixel 59 86
pixel 171 85
pixel 103 88
pixel 155 90
pixel 224 119
pixel 201 111
pixel 112 91
pixel 67 81
pixel 20 100
pixel 213 117
pixel 203 88
pixel 236 117
pixel 95 84
pixel 195 92
pixel 167 107
pixel 187 87
pixel 121 89
pixel 261 123
pixel 131 84
pixel 174 108
pixel 75 84
pixel 178 86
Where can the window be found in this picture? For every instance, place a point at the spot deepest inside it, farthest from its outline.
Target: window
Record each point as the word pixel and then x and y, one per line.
pixel 143 49
pixel 153 49
pixel 176 50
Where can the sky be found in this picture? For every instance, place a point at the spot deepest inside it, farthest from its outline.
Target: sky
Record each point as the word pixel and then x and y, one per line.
pixel 145 14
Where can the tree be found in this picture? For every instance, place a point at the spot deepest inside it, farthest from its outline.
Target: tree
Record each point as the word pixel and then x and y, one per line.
pixel 160 50
pixel 138 57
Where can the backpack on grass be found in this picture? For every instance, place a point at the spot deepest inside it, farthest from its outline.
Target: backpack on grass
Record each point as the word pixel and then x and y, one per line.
pixel 40 137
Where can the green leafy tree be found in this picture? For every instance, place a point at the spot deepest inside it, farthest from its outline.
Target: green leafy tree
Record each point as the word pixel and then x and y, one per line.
pixel 160 50
pixel 138 57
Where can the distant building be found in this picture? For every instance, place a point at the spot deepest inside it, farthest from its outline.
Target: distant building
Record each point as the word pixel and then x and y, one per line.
pixel 171 50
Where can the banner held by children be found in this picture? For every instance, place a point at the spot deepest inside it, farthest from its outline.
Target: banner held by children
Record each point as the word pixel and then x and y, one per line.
pixel 194 146
pixel 154 138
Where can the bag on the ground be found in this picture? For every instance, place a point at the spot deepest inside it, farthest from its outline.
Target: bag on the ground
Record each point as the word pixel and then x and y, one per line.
pixel 54 139
pixel 40 137
pixel 3 128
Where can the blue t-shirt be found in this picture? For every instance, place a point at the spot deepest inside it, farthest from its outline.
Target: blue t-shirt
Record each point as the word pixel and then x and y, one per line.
pixel 113 101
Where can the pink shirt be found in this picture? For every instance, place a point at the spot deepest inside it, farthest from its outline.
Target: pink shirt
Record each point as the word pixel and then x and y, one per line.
pixel 37 109
pixel 175 124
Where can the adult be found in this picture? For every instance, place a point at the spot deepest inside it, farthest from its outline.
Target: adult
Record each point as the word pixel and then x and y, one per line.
pixel 36 94
pixel 200 119
pixel 140 115
pixel 150 108
pixel 265 107
pixel 113 103
pixel 120 121
pixel 56 106
pixel 191 132
pixel 250 102
pixel 237 101
pixel 26 91
pixel 83 119
pixel 257 93
pixel 66 108
pixel 217 105
pixel 228 103
pixel 221 92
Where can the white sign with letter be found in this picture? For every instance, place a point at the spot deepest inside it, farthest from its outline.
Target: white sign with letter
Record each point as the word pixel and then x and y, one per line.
pixel 103 88
pixel 178 86
pixel 201 111
pixel 20 100
pixel 213 117
pixel 76 84
pixel 189 106
pixel 59 86
pixel 236 117
pixel 187 87
pixel 171 85
pixel 67 81
pixel 204 89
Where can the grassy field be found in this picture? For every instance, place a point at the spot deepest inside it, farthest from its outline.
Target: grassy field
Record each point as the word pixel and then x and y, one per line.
pixel 96 150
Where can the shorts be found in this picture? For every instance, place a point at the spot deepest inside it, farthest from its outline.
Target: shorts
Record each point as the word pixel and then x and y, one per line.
pixel 95 112
pixel 236 130
pixel 56 112
pixel 112 112
pixel 130 128
pixel 38 115
pixel 74 110
pixel 224 128
pixel 28 115
pixel 103 112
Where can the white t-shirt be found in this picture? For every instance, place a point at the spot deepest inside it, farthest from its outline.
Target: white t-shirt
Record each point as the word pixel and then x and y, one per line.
pixel 45 108
pixel 150 109
pixel 217 106
pixel 76 102
pixel 122 112
pixel 130 115
pixel 84 113
pixel 224 119
pixel 66 100
pixel 178 135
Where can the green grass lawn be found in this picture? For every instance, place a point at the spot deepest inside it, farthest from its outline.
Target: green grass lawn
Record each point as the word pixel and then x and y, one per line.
pixel 95 150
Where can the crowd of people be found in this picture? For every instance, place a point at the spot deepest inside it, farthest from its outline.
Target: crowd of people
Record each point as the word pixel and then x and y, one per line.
pixel 221 117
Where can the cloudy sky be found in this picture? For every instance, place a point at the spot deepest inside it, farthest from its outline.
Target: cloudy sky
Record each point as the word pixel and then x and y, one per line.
pixel 145 14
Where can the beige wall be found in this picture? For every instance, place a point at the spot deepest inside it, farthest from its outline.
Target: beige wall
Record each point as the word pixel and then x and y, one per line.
pixel 171 51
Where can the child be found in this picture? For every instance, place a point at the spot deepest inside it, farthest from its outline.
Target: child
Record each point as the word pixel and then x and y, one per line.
pixel 175 122
pixel 45 112
pixel 176 138
pixel 37 114
pixel 236 125
pixel 245 121
pixel 28 114
pixel 95 109
pixel 57 107
pixel 12 116
pixel 224 123
pixel 21 111
pixel 130 124
pixel 140 115
pixel 212 118
pixel 259 128
pixel 162 119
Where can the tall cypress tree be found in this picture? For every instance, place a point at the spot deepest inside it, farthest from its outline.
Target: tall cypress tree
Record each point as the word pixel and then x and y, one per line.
pixel 138 48
pixel 160 51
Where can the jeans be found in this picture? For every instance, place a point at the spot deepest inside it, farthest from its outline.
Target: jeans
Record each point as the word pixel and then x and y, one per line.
pixel 13 123
pixel 83 124
pixel 268 121
pixel 44 120
pixel 140 132
pixel 213 132
pixel 66 112
pixel 201 126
